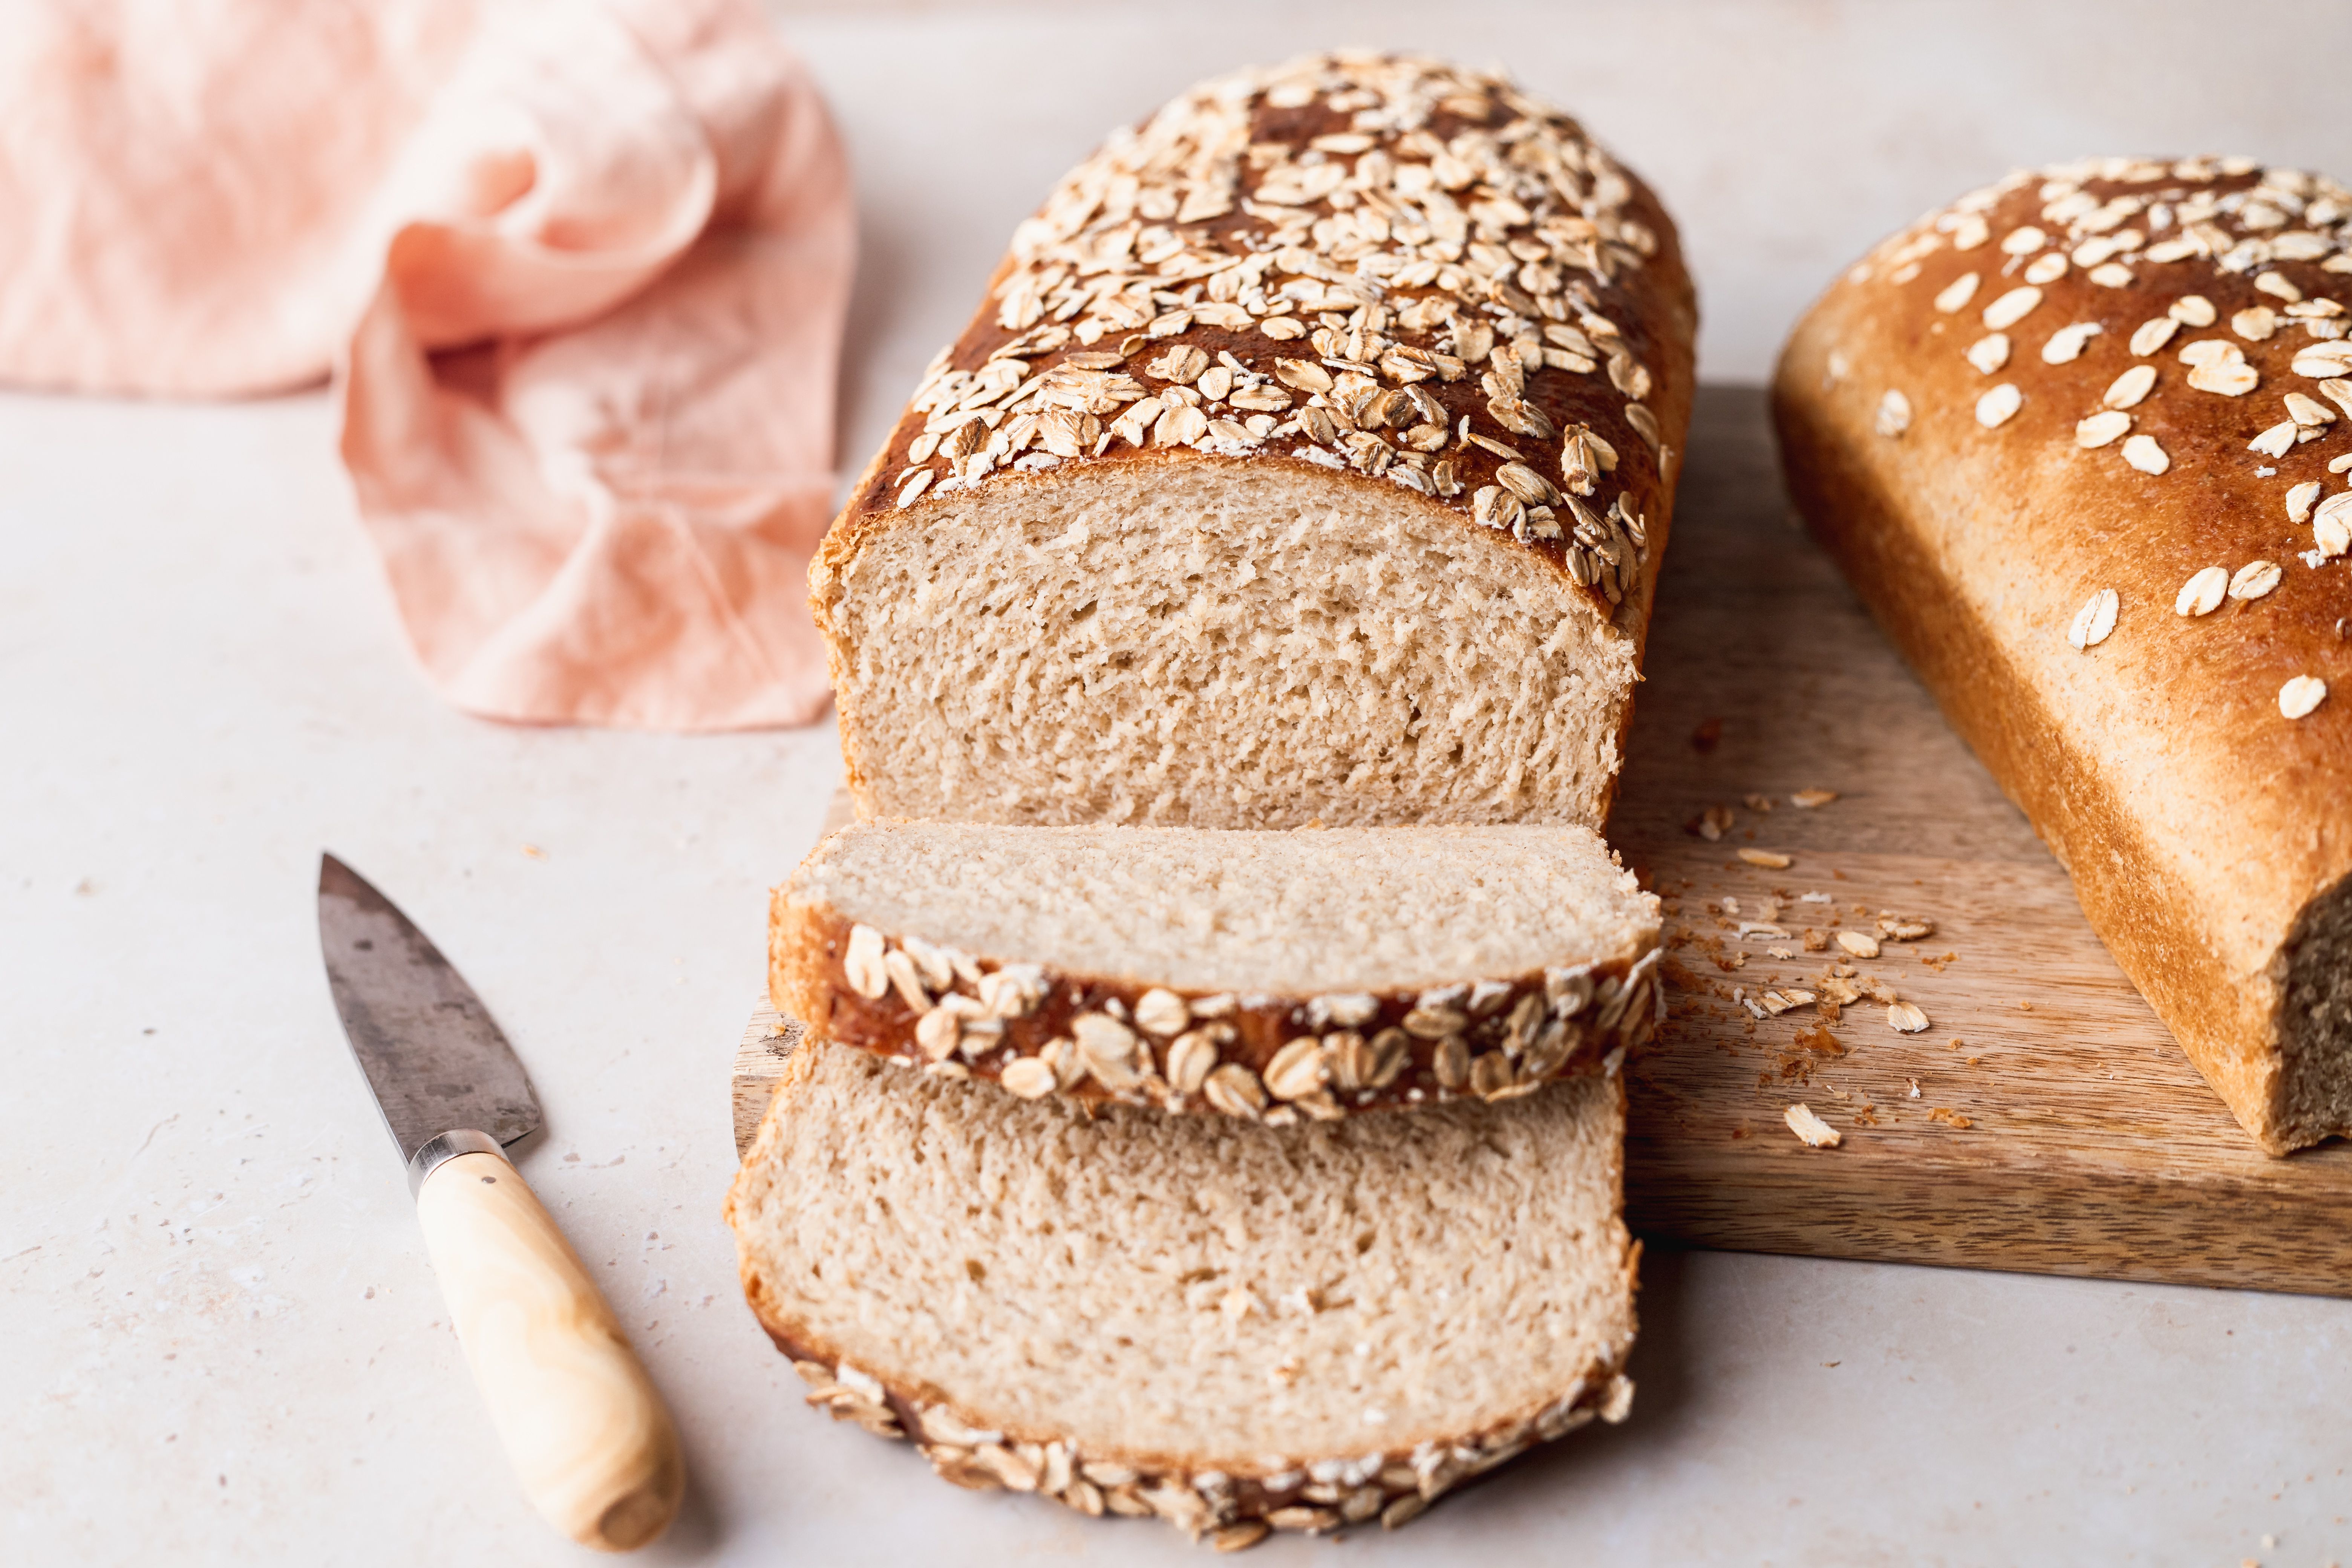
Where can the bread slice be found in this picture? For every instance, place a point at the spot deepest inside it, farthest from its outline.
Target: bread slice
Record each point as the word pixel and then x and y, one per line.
pixel 2080 440
pixel 1278 974
pixel 1309 460
pixel 1207 1319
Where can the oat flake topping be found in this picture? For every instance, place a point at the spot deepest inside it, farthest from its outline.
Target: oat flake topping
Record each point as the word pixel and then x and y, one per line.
pixel 1402 256
pixel 2094 621
pixel 2183 231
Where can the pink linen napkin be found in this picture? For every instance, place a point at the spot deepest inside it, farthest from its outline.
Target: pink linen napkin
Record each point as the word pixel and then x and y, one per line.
pixel 579 268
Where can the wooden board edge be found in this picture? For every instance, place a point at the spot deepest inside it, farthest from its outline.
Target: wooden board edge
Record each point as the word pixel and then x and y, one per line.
pixel 2093 1219
pixel 768 1042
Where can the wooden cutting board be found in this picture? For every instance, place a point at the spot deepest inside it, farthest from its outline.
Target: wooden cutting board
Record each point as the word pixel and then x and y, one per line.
pixel 2055 1127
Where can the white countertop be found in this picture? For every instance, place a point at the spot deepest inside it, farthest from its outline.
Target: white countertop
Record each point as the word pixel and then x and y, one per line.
pixel 221 1338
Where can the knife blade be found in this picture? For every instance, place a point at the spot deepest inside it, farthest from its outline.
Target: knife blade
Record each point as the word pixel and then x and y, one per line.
pixel 429 1049
pixel 581 1421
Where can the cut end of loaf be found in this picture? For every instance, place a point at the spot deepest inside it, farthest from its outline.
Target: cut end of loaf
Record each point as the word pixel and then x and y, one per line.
pixel 1064 649
pixel 2315 1024
pixel 1215 1319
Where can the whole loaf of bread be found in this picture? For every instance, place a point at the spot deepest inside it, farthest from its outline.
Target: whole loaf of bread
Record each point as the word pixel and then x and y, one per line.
pixel 1310 458
pixel 2080 441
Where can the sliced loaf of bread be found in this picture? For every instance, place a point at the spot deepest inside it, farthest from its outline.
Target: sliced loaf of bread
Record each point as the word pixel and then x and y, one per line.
pixel 1282 975
pixel 1226 1324
pixel 1310 457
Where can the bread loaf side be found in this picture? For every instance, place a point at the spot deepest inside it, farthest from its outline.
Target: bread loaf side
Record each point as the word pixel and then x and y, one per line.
pixel 1308 459
pixel 2081 440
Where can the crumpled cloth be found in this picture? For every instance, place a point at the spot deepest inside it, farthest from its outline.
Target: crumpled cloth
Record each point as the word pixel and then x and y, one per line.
pixel 578 268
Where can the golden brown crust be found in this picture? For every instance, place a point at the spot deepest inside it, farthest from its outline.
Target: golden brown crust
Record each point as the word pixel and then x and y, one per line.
pixel 2152 749
pixel 1319 1494
pixel 1277 1059
pixel 1480 290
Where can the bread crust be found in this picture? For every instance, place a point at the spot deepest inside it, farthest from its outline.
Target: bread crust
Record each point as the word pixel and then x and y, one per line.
pixel 1485 1037
pixel 1606 274
pixel 2202 826
pixel 1199 1494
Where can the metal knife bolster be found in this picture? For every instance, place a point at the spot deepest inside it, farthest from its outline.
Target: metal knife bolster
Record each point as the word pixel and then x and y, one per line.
pixel 444 1147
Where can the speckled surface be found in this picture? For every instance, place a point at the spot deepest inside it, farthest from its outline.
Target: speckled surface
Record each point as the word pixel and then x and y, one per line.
pixel 223 1341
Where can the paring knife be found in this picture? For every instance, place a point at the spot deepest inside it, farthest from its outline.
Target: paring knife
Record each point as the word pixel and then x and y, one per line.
pixel 586 1431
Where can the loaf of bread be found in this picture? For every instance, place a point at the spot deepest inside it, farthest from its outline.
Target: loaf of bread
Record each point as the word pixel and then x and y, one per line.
pixel 1308 459
pixel 2080 441
pixel 1273 975
pixel 1229 1325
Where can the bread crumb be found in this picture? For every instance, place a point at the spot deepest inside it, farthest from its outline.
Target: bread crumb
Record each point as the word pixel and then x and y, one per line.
pixel 1819 1042
pixel 1771 860
pixel 1806 799
pixel 1812 1130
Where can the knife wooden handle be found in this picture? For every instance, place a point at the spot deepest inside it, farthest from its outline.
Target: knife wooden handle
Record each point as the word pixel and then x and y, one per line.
pixel 583 1425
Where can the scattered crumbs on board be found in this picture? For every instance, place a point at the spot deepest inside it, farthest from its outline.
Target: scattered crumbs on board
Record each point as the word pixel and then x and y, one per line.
pixel 1751 949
